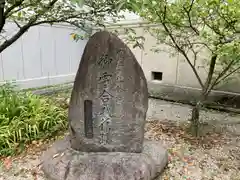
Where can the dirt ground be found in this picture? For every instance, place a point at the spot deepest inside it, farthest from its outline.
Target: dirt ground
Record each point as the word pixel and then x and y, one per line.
pixel 162 110
pixel 215 156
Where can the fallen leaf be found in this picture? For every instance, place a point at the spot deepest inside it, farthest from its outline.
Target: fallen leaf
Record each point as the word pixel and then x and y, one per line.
pixel 7 162
pixel 55 155
pixel 34 174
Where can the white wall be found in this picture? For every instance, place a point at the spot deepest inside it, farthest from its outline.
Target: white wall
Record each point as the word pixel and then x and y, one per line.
pixel 45 55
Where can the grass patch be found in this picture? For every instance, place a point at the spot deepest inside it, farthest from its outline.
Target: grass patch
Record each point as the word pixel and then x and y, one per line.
pixel 25 117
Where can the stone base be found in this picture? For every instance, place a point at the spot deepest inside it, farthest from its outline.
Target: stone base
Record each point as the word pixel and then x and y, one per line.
pixel 60 162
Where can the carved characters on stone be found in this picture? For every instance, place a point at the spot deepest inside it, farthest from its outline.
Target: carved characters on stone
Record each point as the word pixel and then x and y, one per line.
pixel 108 76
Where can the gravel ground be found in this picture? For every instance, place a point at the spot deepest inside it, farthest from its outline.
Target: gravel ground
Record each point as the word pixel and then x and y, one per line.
pixel 162 110
pixel 213 157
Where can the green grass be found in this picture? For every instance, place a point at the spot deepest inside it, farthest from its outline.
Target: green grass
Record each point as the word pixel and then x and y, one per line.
pixel 25 117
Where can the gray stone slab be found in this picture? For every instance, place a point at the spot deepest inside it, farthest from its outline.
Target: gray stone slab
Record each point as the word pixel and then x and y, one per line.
pixel 111 78
pixel 60 162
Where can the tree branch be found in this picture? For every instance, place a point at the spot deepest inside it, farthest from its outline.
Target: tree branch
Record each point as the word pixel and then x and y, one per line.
pixel 77 25
pixel 3 37
pixel 188 11
pixel 178 47
pixel 210 74
pixel 24 28
pixel 2 17
pixel 216 31
pixel 195 56
pixel 59 21
pixel 201 43
pixel 64 19
pixel 230 73
pixel 18 25
pixel 16 4
pixel 50 21
pixel 17 10
pixel 222 38
pixel 229 23
pixel 216 81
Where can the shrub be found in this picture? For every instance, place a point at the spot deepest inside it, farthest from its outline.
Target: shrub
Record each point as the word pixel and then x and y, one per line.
pixel 25 117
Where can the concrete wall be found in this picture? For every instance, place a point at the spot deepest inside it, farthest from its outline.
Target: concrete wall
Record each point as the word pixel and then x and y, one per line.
pixel 175 70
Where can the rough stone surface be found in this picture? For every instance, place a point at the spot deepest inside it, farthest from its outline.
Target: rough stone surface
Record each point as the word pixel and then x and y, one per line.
pixel 61 162
pixel 113 83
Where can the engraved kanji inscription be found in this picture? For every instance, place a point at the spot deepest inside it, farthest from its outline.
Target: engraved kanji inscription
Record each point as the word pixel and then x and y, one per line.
pixel 104 60
pixel 105 96
pixel 105 117
pixel 105 78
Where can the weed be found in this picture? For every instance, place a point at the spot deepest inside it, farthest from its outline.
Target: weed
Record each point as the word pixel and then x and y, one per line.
pixel 25 117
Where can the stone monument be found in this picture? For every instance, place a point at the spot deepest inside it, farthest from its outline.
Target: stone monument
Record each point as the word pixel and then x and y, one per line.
pixel 107 115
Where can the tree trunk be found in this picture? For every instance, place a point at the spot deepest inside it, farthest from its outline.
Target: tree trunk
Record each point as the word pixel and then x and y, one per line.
pixel 195 123
pixel 195 119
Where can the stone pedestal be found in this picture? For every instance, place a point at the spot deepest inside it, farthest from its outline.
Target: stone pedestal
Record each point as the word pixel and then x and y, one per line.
pixel 60 162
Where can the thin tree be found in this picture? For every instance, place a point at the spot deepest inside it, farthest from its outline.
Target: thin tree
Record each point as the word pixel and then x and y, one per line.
pixel 194 28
